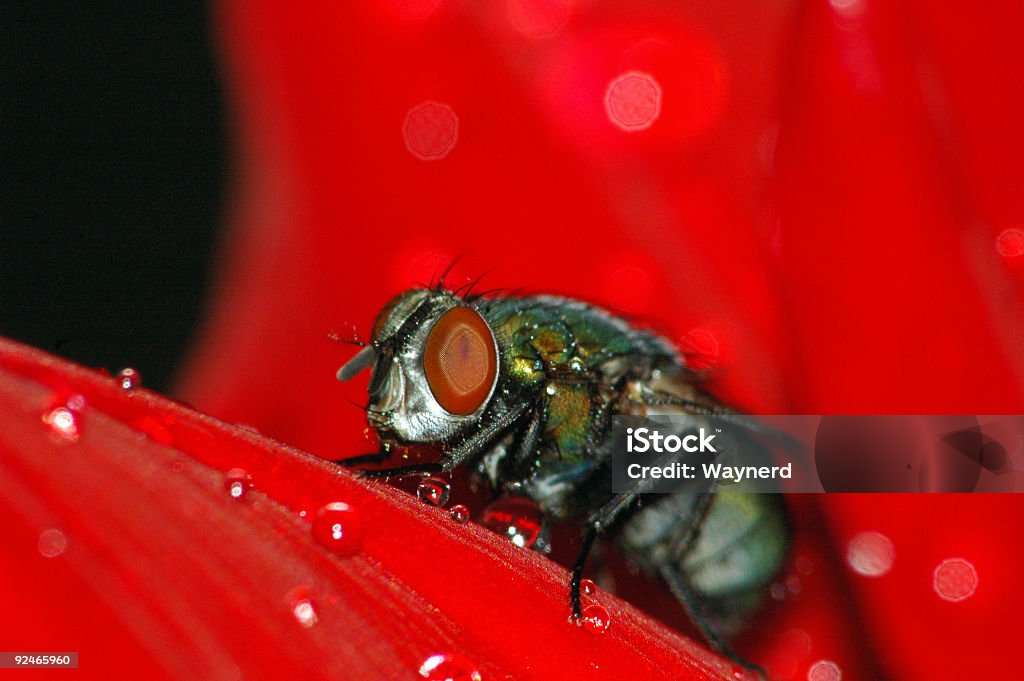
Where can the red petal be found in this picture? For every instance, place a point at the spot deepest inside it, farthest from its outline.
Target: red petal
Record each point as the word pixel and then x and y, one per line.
pixel 131 550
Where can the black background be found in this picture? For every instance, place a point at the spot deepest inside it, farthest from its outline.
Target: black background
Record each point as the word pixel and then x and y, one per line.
pixel 113 166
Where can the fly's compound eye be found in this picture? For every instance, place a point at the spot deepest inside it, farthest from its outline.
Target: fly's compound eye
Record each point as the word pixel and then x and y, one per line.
pixel 460 361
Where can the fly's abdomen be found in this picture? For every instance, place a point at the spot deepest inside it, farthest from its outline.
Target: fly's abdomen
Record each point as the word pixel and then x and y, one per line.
pixel 741 546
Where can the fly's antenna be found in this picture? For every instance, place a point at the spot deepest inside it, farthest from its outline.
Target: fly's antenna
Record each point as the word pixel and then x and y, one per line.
pixel 362 360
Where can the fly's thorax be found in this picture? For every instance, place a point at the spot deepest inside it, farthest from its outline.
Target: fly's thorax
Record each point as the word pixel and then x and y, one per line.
pixel 436 370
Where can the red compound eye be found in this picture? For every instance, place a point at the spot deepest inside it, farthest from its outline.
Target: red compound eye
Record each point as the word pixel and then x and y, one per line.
pixel 460 361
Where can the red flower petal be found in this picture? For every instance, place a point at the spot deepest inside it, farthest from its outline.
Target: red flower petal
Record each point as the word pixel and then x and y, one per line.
pixel 133 551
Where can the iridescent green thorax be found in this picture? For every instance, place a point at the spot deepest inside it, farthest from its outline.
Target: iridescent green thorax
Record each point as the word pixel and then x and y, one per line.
pixel 574 359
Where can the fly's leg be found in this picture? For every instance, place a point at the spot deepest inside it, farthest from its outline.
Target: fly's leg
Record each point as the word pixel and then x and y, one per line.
pixel 403 471
pixel 595 524
pixel 688 597
pixel 453 457
pixel 691 602
pixel 361 459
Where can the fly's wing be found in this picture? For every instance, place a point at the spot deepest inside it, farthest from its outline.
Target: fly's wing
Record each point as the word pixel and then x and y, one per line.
pixel 676 394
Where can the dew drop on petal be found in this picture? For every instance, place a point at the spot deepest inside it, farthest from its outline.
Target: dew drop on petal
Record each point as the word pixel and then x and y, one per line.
pixel 52 543
pixel 587 587
pixel 955 580
pixel 433 491
pixel 516 518
pixel 1010 243
pixel 430 130
pixel 338 527
pixel 824 670
pixel 449 667
pixel 129 378
pixel 237 482
pixel 305 613
pixel 870 554
pixel 64 418
pixel 595 619
pixel 633 101
pixel 459 513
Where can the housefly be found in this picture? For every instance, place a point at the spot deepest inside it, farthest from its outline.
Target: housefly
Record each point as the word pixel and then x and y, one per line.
pixel 522 390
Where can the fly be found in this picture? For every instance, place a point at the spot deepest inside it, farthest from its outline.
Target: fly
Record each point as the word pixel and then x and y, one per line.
pixel 522 391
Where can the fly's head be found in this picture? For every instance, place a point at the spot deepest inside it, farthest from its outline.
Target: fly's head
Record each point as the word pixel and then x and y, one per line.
pixel 434 362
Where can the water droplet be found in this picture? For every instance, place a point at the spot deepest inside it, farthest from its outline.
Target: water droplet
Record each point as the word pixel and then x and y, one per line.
pixel 338 527
pixel 633 101
pixel 738 672
pixel 238 482
pixel 588 588
pixel 955 580
pixel 459 513
pixel 65 419
pixel 431 130
pixel 595 619
pixel 824 670
pixel 1010 243
pixel 516 518
pixel 449 667
pixel 433 491
pixel 305 613
pixel 302 606
pixel 129 378
pixel 870 554
pixel 52 543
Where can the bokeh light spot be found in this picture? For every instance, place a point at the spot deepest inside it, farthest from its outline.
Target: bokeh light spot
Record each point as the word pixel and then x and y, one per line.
pixel 539 18
pixel 430 130
pixel 955 580
pixel 630 289
pixel 1010 243
pixel 824 670
pixel 52 543
pixel 633 101
pixel 870 554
